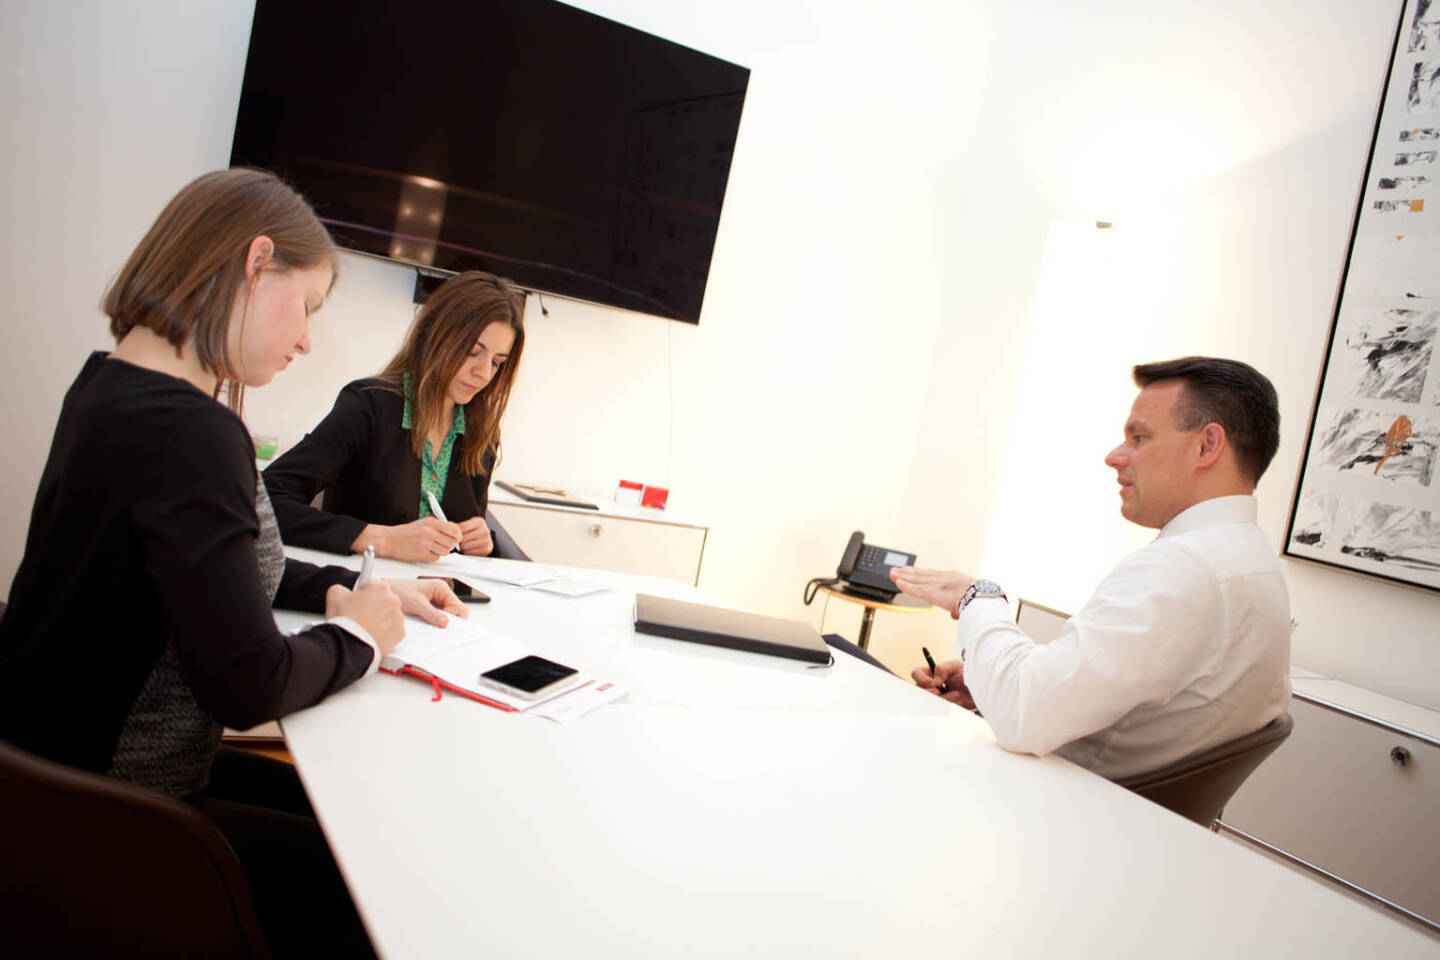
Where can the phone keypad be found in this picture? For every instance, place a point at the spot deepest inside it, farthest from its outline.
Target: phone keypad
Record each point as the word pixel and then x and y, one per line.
pixel 871 556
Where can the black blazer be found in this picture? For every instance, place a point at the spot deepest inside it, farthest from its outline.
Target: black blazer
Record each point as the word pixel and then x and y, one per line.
pixel 360 457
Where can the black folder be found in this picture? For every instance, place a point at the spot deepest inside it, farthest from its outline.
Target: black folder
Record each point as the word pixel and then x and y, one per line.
pixel 736 629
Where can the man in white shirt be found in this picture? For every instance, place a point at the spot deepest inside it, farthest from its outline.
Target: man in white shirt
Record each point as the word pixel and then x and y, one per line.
pixel 1186 643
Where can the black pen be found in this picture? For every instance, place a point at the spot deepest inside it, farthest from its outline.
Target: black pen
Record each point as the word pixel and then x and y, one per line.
pixel 944 687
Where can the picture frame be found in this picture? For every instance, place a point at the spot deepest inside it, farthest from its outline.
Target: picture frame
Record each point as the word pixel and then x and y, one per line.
pixel 1368 495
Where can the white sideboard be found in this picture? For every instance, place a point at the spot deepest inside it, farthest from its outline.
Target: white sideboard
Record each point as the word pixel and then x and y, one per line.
pixel 1353 795
pixel 620 538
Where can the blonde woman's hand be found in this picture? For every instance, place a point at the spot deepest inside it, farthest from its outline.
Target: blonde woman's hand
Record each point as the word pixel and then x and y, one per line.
pixel 429 598
pixel 375 607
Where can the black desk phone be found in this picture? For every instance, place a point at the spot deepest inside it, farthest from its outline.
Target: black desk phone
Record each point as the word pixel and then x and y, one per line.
pixel 865 568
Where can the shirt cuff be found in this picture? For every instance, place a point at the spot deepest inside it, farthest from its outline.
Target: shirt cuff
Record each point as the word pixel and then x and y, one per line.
pixel 978 614
pixel 360 633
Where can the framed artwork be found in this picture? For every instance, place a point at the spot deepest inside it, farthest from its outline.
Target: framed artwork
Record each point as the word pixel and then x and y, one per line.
pixel 1368 499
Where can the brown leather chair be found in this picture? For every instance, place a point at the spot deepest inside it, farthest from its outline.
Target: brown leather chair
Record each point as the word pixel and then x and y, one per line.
pixel 1198 786
pixel 93 866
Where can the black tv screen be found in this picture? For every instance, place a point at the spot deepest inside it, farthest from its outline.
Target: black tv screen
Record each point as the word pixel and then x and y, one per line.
pixel 565 151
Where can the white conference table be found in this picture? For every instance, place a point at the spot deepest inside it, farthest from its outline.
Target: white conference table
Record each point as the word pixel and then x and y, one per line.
pixel 736 804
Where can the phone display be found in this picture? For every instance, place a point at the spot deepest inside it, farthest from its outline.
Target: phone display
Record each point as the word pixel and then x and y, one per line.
pixel 529 677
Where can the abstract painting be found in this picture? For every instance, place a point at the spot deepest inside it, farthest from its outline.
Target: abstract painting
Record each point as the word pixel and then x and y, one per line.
pixel 1368 498
pixel 1373 442
pixel 1424 29
pixel 1387 357
pixel 1315 518
pixel 1400 536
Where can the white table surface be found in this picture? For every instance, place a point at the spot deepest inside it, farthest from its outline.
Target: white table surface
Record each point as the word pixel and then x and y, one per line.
pixel 738 805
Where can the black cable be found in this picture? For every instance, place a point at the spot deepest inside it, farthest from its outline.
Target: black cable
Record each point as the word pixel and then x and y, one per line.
pixel 541 297
pixel 813 587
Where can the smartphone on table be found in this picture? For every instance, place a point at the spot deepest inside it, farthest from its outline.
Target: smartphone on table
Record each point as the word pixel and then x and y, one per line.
pixel 529 677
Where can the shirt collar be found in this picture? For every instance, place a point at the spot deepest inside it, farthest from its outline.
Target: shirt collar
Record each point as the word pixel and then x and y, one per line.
pixel 1241 508
pixel 407 420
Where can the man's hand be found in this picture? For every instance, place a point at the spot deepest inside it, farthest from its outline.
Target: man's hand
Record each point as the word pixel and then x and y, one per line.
pixel 475 538
pixel 943 588
pixel 428 598
pixel 950 674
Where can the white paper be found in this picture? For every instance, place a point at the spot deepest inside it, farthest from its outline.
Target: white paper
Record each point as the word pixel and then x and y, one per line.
pixel 520 573
pixel 571 585
pixel 579 702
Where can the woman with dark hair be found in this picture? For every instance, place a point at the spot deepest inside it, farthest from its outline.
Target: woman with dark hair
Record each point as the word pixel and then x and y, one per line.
pixel 153 558
pixel 427 427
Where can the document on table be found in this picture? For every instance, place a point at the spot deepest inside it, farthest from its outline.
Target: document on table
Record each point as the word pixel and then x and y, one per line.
pixel 517 573
pixel 570 585
pixel 460 651
pixel 580 701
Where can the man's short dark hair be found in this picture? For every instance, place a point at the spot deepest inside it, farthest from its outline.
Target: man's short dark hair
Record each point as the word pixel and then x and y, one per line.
pixel 1233 394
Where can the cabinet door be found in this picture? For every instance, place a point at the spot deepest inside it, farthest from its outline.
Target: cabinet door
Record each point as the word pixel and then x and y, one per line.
pixel 605 543
pixel 1332 795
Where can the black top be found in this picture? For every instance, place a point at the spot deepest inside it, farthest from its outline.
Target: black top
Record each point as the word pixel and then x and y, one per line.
pixel 143 540
pixel 360 456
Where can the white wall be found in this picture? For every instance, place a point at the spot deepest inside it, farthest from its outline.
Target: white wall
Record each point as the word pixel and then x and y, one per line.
pixel 782 420
pixel 107 107
pixel 876 304
pixel 789 422
pixel 1227 141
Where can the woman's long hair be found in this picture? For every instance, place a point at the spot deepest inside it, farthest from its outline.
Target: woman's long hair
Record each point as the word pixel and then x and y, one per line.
pixel 439 341
pixel 183 278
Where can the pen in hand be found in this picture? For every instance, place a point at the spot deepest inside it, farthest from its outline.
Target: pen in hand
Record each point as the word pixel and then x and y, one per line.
pixel 367 568
pixel 440 515
pixel 944 687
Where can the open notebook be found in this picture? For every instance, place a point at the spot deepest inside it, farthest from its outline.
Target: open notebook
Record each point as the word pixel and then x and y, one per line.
pixel 453 657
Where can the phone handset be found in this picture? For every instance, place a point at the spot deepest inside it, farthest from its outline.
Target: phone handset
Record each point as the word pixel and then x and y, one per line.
pixel 846 569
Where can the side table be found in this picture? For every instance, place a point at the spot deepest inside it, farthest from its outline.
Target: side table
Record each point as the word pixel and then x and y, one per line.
pixel 902 602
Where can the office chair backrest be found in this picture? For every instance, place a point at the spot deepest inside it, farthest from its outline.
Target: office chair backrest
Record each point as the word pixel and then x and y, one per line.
pixel 505 546
pixel 1198 786
pixel 93 866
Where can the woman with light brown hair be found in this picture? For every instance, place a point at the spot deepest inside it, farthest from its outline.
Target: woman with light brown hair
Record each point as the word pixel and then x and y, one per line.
pixel 153 558
pixel 428 427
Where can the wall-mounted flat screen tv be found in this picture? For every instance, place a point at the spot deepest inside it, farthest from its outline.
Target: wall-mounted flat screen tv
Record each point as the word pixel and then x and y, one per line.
pixel 565 151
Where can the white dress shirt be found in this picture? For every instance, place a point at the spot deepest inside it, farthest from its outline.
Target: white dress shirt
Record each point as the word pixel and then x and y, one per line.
pixel 1184 645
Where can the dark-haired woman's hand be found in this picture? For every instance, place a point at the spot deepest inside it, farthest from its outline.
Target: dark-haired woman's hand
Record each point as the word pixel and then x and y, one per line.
pixel 475 539
pixel 419 541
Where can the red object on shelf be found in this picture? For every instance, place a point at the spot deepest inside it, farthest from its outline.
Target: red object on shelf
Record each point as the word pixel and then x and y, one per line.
pixel 655 497
pixel 629 493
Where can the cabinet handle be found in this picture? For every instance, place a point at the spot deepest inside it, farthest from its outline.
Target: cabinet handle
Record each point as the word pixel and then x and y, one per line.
pixel 596 529
pixel 1400 755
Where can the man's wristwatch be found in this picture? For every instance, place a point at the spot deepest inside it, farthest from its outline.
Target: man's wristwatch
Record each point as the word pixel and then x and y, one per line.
pixel 980 588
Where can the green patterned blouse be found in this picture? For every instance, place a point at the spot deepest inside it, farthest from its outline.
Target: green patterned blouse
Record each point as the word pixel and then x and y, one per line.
pixel 434 468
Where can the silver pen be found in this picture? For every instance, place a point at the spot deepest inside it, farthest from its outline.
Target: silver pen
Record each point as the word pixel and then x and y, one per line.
pixel 440 515
pixel 367 568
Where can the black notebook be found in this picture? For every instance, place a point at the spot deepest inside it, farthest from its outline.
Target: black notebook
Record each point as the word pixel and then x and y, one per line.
pixel 736 629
